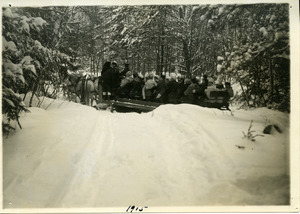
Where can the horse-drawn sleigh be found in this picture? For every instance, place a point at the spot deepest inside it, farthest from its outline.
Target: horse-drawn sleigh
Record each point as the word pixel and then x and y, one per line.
pixel 90 89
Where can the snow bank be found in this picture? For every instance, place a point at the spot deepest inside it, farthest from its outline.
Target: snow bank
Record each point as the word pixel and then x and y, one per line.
pixel 71 155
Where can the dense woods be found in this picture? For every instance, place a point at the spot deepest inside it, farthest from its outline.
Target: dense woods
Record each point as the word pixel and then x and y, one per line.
pixel 246 45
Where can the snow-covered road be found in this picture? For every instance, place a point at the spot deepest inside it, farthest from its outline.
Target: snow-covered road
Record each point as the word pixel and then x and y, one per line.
pixel 178 155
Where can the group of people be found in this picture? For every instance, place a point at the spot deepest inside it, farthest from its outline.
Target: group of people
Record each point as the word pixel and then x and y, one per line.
pixel 156 88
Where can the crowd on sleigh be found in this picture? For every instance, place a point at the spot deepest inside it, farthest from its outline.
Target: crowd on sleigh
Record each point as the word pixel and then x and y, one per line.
pixel 163 89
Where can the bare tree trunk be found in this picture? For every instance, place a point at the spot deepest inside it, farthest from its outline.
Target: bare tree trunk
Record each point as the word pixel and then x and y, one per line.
pixel 144 64
pixel 167 58
pixel 162 59
pixel 271 80
pixel 138 63
pixel 162 44
pixel 91 64
pixel 157 54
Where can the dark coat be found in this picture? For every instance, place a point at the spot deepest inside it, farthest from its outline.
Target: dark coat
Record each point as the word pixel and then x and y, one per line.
pixel 181 89
pixel 124 91
pixel 137 87
pixel 172 91
pixel 123 73
pixel 191 93
pixel 161 89
pixel 107 78
pixel 116 80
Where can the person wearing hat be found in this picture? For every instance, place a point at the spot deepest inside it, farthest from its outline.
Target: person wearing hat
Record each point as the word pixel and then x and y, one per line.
pixel 161 90
pixel 115 77
pixel 127 79
pixel 123 73
pixel 107 80
pixel 229 89
pixel 137 86
pixel 192 91
pixel 205 81
pixel 172 89
pixel 149 88
pixel 183 83
pixel 126 85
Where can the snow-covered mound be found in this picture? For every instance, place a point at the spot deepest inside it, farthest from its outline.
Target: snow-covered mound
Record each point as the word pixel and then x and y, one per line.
pixel 72 155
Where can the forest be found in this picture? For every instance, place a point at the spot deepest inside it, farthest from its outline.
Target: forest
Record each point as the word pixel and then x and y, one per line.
pixel 245 44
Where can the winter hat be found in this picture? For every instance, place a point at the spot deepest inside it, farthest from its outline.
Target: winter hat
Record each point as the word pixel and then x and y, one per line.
pixel 128 74
pixel 173 76
pixel 140 75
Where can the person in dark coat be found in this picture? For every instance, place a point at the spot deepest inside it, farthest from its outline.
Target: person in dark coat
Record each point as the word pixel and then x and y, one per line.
pixel 126 85
pixel 161 90
pixel 172 90
pixel 182 86
pixel 229 89
pixel 205 81
pixel 203 86
pixel 137 87
pixel 149 88
pixel 115 77
pixel 123 73
pixel 107 80
pixel 192 92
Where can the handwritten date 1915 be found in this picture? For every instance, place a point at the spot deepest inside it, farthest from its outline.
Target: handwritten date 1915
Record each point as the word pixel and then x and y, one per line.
pixel 133 208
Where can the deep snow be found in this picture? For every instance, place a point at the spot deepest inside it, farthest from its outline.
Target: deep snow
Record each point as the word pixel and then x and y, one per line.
pixel 72 155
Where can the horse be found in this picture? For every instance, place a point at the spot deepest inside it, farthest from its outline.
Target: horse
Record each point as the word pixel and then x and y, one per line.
pixel 82 86
pixel 98 89
pixel 86 89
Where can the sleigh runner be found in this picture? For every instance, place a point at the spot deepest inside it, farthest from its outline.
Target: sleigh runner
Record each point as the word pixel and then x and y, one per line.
pixel 218 99
pixel 128 105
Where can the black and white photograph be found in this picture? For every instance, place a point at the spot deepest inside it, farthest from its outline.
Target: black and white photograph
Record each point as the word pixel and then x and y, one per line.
pixel 150 107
